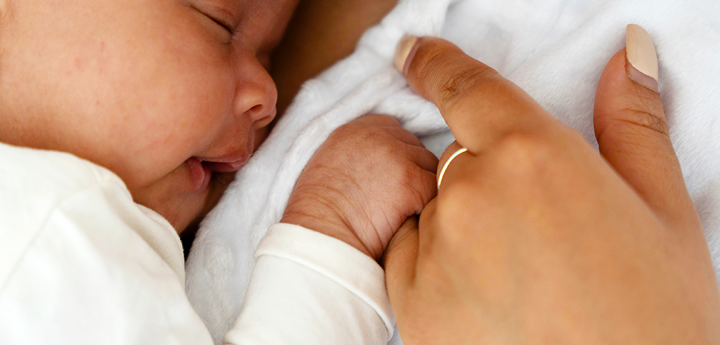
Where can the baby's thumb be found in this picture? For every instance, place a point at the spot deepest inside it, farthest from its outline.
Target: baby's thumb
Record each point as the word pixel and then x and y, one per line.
pixel 632 131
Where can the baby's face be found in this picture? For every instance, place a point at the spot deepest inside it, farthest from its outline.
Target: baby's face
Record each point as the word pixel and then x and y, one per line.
pixel 162 92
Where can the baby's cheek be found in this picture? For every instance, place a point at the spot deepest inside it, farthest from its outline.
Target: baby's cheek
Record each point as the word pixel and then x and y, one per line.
pixel 260 135
pixel 176 134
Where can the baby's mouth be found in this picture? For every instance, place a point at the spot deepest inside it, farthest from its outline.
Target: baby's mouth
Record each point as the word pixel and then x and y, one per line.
pixel 202 168
pixel 224 167
pixel 228 163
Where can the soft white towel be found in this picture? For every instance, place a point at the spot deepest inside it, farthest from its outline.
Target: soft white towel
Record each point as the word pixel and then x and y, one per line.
pixel 554 49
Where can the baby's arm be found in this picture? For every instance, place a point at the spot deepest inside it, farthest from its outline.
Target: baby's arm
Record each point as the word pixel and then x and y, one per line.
pixel 309 288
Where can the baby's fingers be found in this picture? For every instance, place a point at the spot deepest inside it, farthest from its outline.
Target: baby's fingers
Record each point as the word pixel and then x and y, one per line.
pixel 422 158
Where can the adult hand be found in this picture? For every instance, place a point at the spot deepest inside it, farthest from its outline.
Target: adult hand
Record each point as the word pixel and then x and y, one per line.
pixel 363 183
pixel 534 237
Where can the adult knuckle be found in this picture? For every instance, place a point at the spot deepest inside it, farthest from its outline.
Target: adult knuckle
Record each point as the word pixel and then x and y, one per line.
pixel 454 201
pixel 454 218
pixel 450 72
pixel 646 116
pixel 525 154
pixel 463 81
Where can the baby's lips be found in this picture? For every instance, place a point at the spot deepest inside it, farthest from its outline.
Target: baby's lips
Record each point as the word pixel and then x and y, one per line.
pixel 228 163
pixel 223 167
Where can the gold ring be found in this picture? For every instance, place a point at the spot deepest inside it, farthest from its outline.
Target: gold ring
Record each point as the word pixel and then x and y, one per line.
pixel 442 172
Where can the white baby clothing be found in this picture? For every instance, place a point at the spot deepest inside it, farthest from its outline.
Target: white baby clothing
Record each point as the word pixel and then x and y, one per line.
pixel 81 263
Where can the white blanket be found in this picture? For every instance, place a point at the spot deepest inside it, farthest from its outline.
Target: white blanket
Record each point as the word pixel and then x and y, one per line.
pixel 554 49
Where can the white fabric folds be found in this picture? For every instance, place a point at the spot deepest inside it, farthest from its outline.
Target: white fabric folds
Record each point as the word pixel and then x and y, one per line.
pixel 318 269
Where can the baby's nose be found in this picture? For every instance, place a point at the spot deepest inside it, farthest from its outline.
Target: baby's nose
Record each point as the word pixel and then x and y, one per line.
pixel 256 94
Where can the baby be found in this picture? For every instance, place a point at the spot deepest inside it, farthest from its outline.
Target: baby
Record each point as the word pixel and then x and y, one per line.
pixel 162 93
pixel 115 118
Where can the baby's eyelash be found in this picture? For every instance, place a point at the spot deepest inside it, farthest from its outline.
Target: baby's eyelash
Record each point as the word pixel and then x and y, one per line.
pixel 225 25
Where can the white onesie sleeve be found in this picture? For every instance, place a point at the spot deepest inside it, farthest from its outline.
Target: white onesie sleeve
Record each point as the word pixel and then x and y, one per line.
pixel 308 288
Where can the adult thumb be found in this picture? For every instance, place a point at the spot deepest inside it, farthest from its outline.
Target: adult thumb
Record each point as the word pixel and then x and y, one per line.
pixel 632 131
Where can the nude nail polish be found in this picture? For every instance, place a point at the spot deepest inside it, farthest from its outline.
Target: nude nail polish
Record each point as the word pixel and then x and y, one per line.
pixel 403 51
pixel 641 56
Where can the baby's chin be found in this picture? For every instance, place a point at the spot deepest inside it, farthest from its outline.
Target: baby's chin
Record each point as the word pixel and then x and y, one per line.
pixel 180 210
pixel 183 208
pixel 174 197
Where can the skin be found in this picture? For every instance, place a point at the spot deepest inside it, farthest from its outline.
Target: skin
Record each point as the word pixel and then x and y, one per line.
pixel 198 91
pixel 365 180
pixel 145 93
pixel 320 33
pixel 535 237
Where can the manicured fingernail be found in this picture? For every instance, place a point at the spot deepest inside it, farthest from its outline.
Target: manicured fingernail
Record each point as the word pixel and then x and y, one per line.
pixel 402 53
pixel 641 56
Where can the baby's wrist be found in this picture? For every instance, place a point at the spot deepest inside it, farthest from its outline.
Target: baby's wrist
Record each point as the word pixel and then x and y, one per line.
pixel 327 224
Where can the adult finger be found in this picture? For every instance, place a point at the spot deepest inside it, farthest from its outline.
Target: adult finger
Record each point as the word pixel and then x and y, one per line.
pixel 399 261
pixel 449 151
pixel 452 150
pixel 632 131
pixel 478 104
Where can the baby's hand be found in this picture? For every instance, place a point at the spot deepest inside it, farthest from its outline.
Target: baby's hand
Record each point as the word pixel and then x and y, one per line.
pixel 363 183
